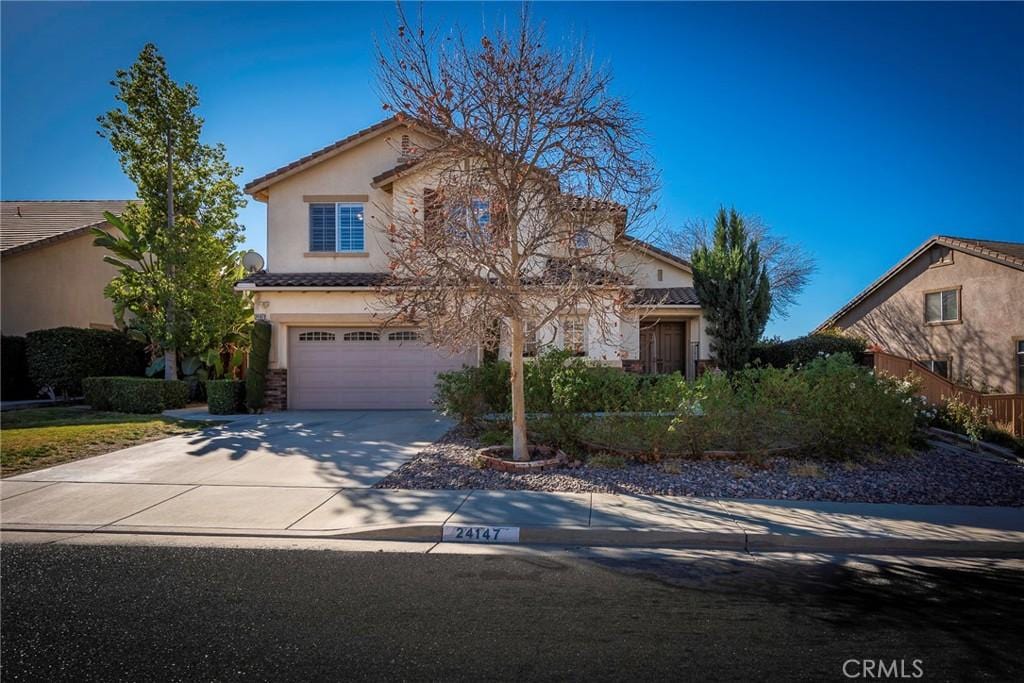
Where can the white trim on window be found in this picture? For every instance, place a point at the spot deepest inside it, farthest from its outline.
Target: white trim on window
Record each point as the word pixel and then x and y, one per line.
pixel 340 230
pixel 404 336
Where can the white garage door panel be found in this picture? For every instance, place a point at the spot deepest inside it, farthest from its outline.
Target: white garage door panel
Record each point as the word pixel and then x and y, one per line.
pixel 343 375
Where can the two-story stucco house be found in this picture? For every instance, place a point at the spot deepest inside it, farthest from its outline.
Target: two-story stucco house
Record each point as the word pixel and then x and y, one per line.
pixel 955 305
pixel 327 257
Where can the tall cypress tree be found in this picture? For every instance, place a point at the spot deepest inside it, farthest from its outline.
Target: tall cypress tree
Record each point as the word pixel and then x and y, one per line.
pixel 733 288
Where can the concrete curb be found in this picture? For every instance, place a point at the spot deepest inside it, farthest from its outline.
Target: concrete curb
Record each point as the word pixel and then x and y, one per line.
pixel 584 537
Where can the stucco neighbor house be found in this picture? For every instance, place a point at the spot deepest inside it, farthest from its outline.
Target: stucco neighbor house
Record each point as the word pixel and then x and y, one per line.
pixel 52 275
pixel 327 255
pixel 955 305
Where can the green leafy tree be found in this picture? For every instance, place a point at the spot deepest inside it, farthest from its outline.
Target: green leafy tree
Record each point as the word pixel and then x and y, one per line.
pixel 734 290
pixel 177 257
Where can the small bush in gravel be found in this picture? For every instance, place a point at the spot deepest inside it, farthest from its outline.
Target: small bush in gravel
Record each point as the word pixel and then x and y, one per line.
pixel 495 437
pixel 606 461
pixel 964 417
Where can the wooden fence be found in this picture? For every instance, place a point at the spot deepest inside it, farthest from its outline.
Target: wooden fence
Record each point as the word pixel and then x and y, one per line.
pixel 1007 409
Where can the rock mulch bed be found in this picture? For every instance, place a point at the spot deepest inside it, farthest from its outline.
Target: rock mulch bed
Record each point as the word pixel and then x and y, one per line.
pixel 940 476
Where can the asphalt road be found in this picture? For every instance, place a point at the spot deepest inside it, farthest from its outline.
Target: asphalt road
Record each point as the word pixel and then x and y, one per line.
pixel 161 613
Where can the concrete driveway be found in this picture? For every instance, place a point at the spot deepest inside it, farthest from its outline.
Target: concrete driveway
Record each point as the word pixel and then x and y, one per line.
pixel 329 449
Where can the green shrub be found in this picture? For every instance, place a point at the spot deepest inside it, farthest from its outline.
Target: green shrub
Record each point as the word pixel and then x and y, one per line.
pixel 62 357
pixel 606 461
pixel 495 437
pixel 259 362
pixel 802 350
pixel 136 394
pixel 225 396
pixel 964 417
pixel 14 370
pixel 831 406
pixel 97 392
pixel 176 394
pixel 557 383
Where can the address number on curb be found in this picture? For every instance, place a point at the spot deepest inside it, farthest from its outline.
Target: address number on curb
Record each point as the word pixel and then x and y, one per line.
pixel 457 533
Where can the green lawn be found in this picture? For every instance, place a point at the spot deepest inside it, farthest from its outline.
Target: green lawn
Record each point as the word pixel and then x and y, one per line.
pixel 42 437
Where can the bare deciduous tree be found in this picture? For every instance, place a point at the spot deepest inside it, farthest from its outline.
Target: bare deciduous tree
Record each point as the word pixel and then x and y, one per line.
pixel 789 266
pixel 507 217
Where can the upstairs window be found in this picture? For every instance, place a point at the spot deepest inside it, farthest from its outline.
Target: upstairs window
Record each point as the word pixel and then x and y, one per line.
pixel 942 307
pixel 336 227
pixel 581 240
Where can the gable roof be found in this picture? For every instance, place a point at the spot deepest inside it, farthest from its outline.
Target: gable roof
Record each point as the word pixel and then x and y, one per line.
pixel 648 248
pixel 320 155
pixel 1006 253
pixel 30 224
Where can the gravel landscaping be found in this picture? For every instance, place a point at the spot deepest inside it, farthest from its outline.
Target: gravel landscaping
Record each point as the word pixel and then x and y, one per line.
pixel 944 475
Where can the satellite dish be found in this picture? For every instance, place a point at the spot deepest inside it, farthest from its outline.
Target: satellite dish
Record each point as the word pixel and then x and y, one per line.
pixel 252 261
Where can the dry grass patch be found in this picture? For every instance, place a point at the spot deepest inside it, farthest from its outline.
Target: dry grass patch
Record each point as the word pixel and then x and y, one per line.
pixel 43 437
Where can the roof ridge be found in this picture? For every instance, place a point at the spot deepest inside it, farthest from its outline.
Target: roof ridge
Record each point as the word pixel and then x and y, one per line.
pixel 976 239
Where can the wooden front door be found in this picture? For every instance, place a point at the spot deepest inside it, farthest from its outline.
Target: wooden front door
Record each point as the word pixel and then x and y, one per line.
pixel 663 348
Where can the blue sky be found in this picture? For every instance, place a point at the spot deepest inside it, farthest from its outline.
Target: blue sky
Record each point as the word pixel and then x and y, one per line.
pixel 856 130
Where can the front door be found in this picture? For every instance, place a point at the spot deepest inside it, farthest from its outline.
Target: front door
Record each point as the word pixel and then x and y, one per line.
pixel 663 348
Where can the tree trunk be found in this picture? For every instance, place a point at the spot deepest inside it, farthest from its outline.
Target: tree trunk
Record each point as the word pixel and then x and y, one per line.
pixel 520 451
pixel 170 353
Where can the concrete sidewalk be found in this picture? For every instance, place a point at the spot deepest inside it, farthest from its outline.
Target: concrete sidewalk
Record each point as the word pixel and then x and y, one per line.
pixel 566 519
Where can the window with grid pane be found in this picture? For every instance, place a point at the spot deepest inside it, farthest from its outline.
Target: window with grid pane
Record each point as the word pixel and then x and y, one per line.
pixel 942 306
pixel 350 227
pixel 361 335
pixel 574 336
pixel 316 336
pixel 321 227
pixel 404 335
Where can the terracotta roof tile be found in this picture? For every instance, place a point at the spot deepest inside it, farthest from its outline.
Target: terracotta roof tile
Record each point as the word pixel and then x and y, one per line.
pixel 265 279
pixel 666 296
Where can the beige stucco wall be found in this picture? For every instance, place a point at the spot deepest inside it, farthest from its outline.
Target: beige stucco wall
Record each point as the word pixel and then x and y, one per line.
pixel 981 346
pixel 643 268
pixel 56 285
pixel 348 173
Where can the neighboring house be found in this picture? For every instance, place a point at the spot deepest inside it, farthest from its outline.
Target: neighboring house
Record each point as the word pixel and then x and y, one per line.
pixel 52 274
pixel 327 257
pixel 955 305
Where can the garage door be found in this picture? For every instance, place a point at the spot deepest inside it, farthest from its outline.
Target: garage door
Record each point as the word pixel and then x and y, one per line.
pixel 344 368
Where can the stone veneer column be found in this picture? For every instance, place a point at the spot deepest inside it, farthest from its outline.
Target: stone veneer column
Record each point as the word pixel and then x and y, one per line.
pixel 277 389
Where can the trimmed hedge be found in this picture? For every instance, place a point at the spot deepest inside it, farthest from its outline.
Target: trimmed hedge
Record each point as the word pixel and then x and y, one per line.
pixel 175 394
pixel 134 394
pixel 60 358
pixel 803 350
pixel 14 364
pixel 225 396
pixel 259 360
